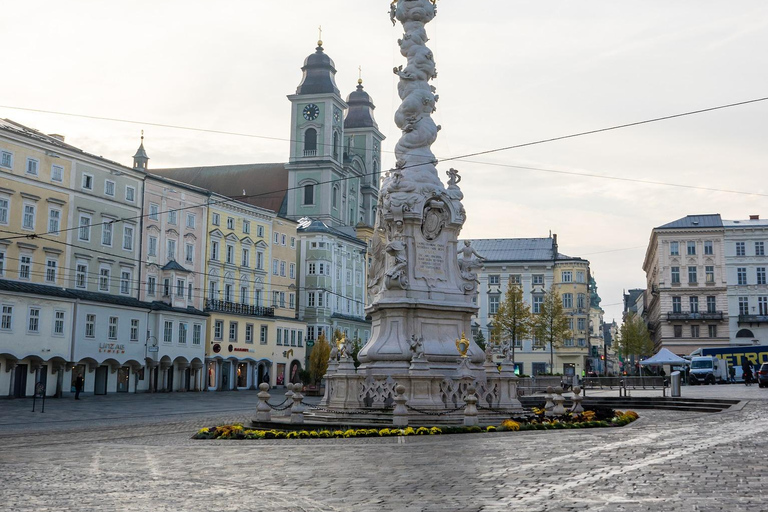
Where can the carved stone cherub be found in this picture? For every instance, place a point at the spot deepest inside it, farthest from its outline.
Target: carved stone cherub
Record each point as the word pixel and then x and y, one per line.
pixel 417 347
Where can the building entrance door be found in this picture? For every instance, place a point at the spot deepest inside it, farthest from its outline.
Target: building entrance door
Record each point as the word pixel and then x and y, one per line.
pixel 170 372
pixel 100 381
pixel 123 378
pixel 20 381
pixel 225 371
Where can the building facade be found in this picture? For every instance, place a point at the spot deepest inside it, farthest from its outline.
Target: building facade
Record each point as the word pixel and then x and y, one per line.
pixel 686 302
pixel 745 270
pixel 332 280
pixel 251 297
pixel 535 265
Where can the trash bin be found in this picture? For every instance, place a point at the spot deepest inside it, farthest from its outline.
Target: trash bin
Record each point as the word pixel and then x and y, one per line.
pixel 676 384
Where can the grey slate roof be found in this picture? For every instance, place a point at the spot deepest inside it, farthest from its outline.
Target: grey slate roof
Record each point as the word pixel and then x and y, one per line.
pixel 515 249
pixel 174 265
pixel 267 183
pixel 317 226
pixel 695 221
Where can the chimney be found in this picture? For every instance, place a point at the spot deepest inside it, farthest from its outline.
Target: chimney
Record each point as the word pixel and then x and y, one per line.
pixel 554 247
pixel 56 136
pixel 754 217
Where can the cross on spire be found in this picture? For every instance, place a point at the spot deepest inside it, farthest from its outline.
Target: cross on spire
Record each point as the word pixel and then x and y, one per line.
pixel 360 75
pixel 320 36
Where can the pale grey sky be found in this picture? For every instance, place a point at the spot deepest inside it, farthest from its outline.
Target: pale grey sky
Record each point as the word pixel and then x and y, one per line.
pixel 510 72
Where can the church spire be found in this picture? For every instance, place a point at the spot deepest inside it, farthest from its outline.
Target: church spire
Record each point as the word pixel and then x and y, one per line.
pixel 140 159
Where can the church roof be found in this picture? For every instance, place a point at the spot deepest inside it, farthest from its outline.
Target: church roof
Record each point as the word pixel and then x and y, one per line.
pixel 265 185
pixel 319 71
pixel 360 112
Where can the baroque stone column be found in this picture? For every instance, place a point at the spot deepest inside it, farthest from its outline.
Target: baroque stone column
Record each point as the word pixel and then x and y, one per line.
pixel 416 285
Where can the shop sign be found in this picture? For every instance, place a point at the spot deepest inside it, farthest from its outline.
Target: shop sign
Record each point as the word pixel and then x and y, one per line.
pixel 112 348
pixel 239 349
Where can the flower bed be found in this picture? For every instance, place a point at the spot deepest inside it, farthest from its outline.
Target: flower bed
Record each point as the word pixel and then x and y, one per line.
pixel 587 419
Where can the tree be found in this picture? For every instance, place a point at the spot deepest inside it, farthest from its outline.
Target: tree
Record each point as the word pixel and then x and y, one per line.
pixel 318 359
pixel 633 338
pixel 551 324
pixel 513 321
pixel 480 340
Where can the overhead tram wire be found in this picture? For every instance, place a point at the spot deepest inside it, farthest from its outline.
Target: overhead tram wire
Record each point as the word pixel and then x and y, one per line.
pixel 454 158
pixel 137 260
pixel 616 178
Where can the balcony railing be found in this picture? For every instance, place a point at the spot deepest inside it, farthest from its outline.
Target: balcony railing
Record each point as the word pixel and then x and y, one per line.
pixel 224 306
pixel 753 319
pixel 687 315
pixel 310 152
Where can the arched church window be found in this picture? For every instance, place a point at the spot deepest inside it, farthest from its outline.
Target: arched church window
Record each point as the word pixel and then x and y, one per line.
pixel 335 196
pixel 310 142
pixel 309 194
pixel 375 178
pixel 336 145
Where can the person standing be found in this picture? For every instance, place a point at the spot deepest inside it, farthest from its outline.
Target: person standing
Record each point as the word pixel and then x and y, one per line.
pixel 79 384
pixel 732 374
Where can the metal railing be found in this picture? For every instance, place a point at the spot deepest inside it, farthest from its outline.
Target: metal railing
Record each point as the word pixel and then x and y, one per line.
pixel 687 315
pixel 224 306
pixel 626 382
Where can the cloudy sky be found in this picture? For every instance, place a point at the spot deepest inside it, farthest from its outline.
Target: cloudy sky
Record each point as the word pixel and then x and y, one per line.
pixel 510 72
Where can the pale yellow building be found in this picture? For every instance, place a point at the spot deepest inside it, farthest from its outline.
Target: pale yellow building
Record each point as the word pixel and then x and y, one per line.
pixel 251 297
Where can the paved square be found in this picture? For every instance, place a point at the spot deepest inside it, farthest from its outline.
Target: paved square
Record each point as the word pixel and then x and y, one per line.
pixel 134 452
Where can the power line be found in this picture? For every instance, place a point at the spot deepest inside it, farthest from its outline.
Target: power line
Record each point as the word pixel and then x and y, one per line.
pixel 460 158
pixel 617 178
pixel 141 262
pixel 610 128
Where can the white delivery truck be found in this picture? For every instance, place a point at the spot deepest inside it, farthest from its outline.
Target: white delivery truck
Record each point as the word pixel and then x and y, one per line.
pixel 708 370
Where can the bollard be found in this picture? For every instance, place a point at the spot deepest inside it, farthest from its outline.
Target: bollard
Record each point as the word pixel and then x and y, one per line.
pixel 558 409
pixel 549 405
pixel 263 412
pixel 400 414
pixel 470 411
pixel 297 410
pixel 577 398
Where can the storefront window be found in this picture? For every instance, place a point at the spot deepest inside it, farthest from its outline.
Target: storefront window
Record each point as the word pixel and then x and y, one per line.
pixel 280 376
pixel 242 375
pixel 212 374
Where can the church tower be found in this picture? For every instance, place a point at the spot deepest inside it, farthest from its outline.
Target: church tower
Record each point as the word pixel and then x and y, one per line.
pixel 316 164
pixel 140 159
pixel 362 151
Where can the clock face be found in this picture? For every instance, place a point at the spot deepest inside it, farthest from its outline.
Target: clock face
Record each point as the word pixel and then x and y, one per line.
pixel 337 115
pixel 311 112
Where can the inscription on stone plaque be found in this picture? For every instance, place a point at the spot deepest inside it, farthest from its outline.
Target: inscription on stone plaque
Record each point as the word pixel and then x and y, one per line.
pixel 430 260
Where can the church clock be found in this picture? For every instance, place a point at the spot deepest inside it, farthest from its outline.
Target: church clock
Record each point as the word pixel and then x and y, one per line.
pixel 311 112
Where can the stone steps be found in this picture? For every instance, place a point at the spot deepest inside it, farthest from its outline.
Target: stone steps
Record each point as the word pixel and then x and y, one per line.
pixel 667 403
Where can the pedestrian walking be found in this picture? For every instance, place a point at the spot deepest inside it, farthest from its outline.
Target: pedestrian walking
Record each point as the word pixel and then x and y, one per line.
pixel 746 370
pixel 732 374
pixel 79 383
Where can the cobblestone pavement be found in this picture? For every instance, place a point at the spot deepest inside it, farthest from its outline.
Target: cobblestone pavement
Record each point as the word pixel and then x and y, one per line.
pixel 134 453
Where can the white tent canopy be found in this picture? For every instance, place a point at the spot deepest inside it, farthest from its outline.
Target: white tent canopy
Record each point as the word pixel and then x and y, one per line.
pixel 664 356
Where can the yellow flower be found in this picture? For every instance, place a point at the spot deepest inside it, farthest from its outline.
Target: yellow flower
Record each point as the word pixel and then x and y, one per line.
pixel 510 425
